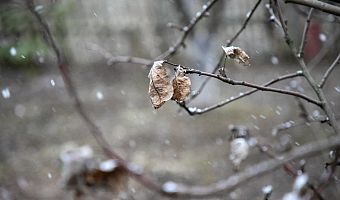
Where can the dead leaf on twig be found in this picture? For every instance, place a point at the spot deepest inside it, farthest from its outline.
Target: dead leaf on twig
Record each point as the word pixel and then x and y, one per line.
pixel 160 87
pixel 181 85
pixel 237 54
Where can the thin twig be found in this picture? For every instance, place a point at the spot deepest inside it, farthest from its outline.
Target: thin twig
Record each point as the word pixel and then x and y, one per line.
pixel 272 15
pixel 304 34
pixel 241 95
pixel 300 122
pixel 200 89
pixel 117 59
pixel 186 30
pixel 325 106
pixel 262 168
pixel 244 83
pixel 325 7
pixel 287 167
pixel 252 11
pixel 328 72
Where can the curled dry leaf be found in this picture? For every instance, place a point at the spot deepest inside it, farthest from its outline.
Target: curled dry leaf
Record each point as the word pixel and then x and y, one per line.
pixel 181 85
pixel 237 54
pixel 160 87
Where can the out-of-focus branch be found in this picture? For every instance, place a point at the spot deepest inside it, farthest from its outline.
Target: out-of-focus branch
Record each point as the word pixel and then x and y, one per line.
pixel 325 7
pixel 300 122
pixel 272 14
pixel 326 175
pixel 328 72
pixel 304 34
pixel 241 95
pixel 325 106
pixel 287 167
pixel 186 30
pixel 117 59
pixel 262 168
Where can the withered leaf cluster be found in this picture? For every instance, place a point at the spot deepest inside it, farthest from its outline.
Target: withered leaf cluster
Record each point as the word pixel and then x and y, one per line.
pixel 160 88
pixel 237 54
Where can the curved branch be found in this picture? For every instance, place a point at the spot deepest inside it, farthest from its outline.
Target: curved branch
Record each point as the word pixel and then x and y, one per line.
pixel 200 89
pixel 328 72
pixel 325 7
pixel 262 168
pixel 186 30
pixel 325 106
pixel 259 87
pixel 111 60
pixel 244 94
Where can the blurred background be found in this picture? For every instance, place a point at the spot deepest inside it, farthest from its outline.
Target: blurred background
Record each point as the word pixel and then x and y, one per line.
pixel 37 120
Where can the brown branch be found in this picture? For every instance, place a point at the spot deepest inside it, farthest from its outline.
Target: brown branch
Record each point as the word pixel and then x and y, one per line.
pixel 325 7
pixel 244 94
pixel 305 31
pixel 325 106
pixel 328 72
pixel 186 30
pixel 244 83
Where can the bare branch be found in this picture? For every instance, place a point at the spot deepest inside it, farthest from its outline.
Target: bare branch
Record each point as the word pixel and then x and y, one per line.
pixel 325 106
pixel 326 175
pixel 199 91
pixel 252 11
pixel 291 124
pixel 244 94
pixel 328 72
pixel 117 59
pixel 325 7
pixel 305 31
pixel 272 15
pixel 244 83
pixel 186 30
pixel 262 168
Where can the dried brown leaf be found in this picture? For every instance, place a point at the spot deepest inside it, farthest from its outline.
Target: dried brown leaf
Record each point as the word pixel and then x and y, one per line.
pixel 109 174
pixel 160 87
pixel 181 85
pixel 237 54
